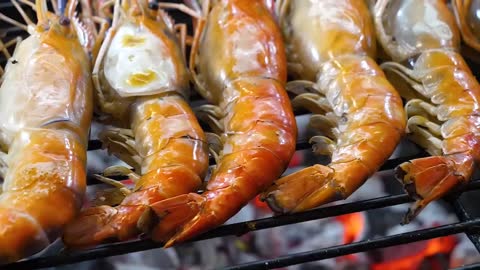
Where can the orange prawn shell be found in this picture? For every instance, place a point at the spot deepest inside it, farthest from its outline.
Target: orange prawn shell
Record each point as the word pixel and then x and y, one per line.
pixel 320 39
pixel 247 80
pixel 257 53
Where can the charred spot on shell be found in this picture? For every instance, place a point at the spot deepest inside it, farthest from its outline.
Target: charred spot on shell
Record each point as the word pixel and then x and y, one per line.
pixel 147 221
pixel 409 186
pixel 340 193
pixel 408 217
pixel 272 203
pixel 141 78
pixel 412 191
pixel 400 174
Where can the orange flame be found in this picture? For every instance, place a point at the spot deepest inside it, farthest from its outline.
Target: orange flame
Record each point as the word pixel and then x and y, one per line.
pixel 353 226
pixel 442 245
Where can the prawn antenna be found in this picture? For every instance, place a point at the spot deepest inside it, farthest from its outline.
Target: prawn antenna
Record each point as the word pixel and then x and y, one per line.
pixel 60 6
pixel 27 21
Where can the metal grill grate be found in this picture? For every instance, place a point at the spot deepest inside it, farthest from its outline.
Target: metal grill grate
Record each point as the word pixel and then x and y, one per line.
pixel 468 225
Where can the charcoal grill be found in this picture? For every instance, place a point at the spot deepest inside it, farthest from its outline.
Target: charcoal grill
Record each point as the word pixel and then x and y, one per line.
pixel 467 223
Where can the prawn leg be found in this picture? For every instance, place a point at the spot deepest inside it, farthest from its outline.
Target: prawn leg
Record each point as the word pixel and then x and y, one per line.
pixel 115 195
pixel 211 115
pixel 121 143
pixel 422 108
pixel 215 145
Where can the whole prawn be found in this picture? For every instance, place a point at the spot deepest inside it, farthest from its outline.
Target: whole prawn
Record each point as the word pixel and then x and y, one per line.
pixel 142 82
pixel 242 71
pixel 45 111
pixel 357 113
pixel 443 96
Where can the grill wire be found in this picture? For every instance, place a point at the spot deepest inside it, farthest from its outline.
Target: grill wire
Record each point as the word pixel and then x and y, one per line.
pixel 467 225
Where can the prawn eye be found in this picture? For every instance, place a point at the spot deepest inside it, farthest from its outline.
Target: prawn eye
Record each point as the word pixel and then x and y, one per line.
pixel 153 5
pixel 64 21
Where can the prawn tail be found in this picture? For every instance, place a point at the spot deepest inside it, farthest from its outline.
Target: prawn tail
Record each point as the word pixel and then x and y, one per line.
pixel 134 215
pixel 179 218
pixel 100 224
pixel 302 190
pixel 427 179
pixel 316 186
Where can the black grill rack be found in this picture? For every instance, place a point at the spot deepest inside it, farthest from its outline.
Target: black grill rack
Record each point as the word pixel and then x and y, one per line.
pixel 468 225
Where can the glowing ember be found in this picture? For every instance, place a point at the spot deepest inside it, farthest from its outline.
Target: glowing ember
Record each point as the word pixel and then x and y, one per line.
pixel 354 225
pixel 353 228
pixel 442 245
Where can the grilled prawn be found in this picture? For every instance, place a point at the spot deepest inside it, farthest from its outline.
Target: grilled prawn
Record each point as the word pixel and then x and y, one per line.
pixel 443 97
pixel 142 83
pixel 45 111
pixel 358 115
pixel 241 70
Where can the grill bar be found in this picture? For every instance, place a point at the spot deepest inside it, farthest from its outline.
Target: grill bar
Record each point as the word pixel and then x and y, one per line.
pixel 225 230
pixel 265 223
pixel 469 267
pixel 301 145
pixel 464 216
pixel 361 246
